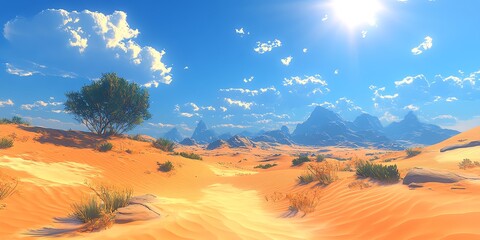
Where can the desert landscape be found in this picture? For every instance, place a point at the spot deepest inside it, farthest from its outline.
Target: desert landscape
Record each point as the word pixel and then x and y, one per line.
pixel 251 120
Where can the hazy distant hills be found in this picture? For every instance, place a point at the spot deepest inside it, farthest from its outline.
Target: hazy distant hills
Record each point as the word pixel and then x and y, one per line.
pixel 326 128
pixel 173 135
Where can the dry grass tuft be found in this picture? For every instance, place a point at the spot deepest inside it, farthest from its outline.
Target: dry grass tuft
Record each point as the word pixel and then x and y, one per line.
pixel 305 202
pixel 359 185
pixel 323 172
pixel 467 163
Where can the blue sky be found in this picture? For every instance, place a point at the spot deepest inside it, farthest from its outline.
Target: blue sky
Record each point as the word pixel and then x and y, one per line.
pixel 246 65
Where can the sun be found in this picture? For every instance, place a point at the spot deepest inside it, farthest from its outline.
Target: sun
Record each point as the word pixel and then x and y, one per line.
pixel 355 13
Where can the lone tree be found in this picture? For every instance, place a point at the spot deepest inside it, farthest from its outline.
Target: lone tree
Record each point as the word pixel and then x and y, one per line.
pixel 110 105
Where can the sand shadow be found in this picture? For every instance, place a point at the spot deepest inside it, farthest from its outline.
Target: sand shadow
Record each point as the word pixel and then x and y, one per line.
pixel 74 139
pixel 67 227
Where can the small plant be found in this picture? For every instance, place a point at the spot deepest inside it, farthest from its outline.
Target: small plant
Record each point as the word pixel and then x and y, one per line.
pixel 378 171
pixel 166 166
pixel 189 155
pixel 306 178
pixel 305 202
pixel 320 158
pixel 164 145
pixel 412 152
pixel 265 166
pixel 467 163
pixel 6 143
pixel 300 160
pixel 325 172
pixel 87 210
pixel 7 188
pixel 105 147
pixel 112 197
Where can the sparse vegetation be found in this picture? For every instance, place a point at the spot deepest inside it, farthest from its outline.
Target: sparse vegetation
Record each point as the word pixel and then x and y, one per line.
pixel 6 143
pixel 305 201
pixel 300 160
pixel 306 178
pixel 189 155
pixel 105 147
pixel 7 187
pixel 320 158
pixel 467 163
pixel 109 106
pixel 129 151
pixel 14 120
pixel 265 166
pixel 138 137
pixel 164 145
pixel 112 197
pixel 87 210
pixel 379 172
pixel 166 166
pixel 412 152
pixel 324 172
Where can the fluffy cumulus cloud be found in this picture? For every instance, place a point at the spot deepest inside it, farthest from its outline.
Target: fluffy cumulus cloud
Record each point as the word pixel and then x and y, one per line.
pixel 388 117
pixel 42 104
pixel 263 47
pixel 250 92
pixel 286 61
pixel 296 80
pixel 343 106
pixel 238 103
pixel 411 107
pixel 7 102
pixel 87 42
pixel 425 45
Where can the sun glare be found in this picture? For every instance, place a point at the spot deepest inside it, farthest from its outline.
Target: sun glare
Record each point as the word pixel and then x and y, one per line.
pixel 354 13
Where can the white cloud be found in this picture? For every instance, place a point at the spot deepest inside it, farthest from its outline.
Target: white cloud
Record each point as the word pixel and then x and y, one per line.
pixel 425 45
pixel 377 92
pixel 40 104
pixel 209 108
pixel 325 18
pixel 229 125
pixel 17 71
pixel 267 46
pixel 90 41
pixel 324 104
pixel 286 61
pixel 246 80
pixel 411 107
pixel 364 33
pixel 241 32
pixel 162 125
pixel 315 79
pixel 194 106
pixel 224 109
pixel 445 116
pixel 7 102
pixel 388 117
pixel 251 92
pixel 410 79
pixel 336 72
pixel 245 105
pixel 451 99
pixel 188 115
pixel 305 50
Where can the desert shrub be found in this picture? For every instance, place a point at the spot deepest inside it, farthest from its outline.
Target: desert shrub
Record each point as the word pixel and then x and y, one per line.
pixel 189 155
pixel 378 171
pixel 112 197
pixel 467 163
pixel 300 160
pixel 109 106
pixel 304 201
pixel 306 178
pixel 139 137
pixel 320 158
pixel 411 152
pixel 87 210
pixel 324 172
pixel 166 166
pixel 7 187
pixel 105 147
pixel 14 120
pixel 265 166
pixel 6 143
pixel 129 151
pixel 164 145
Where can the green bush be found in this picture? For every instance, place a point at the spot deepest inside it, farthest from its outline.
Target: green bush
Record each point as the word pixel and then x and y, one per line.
pixel 320 158
pixel 411 152
pixel 14 120
pixel 87 210
pixel 164 145
pixel 105 147
pixel 265 166
pixel 300 160
pixel 6 143
pixel 189 155
pixel 166 166
pixel 306 178
pixel 378 171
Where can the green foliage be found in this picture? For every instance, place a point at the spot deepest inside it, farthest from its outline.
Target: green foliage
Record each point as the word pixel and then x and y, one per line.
pixel 110 105
pixel 265 166
pixel 166 166
pixel 320 158
pixel 411 152
pixel 164 145
pixel 6 143
pixel 306 178
pixel 189 155
pixel 87 210
pixel 14 120
pixel 378 171
pixel 113 198
pixel 467 163
pixel 300 160
pixel 105 147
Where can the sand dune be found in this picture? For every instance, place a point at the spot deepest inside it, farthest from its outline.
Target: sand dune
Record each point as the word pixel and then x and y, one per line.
pixel 225 197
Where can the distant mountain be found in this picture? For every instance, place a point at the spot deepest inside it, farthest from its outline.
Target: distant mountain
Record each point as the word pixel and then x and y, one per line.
pixel 188 142
pixel 234 142
pixel 217 144
pixel 281 136
pixel 173 135
pixel 203 135
pixel 285 130
pixel 225 136
pixel 367 122
pixel 411 130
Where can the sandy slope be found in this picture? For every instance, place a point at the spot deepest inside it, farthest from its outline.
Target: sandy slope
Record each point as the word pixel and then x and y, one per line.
pixel 224 196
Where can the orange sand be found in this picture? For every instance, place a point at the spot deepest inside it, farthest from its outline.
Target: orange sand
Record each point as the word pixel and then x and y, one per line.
pixel 224 197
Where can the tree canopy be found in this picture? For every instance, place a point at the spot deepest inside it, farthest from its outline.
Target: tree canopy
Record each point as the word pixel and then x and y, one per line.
pixel 109 106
